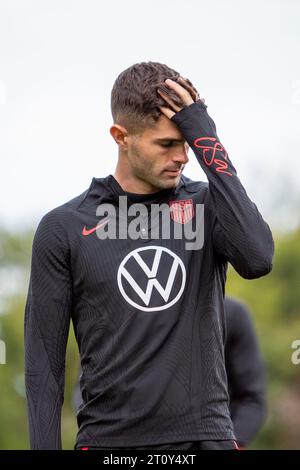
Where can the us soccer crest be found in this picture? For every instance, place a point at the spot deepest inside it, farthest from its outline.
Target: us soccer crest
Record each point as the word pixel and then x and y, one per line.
pixel 181 211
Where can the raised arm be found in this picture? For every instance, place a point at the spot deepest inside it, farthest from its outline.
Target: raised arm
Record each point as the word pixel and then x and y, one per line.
pixel 240 235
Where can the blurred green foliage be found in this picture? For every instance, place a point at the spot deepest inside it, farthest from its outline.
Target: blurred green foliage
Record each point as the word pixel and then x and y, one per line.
pixel 274 301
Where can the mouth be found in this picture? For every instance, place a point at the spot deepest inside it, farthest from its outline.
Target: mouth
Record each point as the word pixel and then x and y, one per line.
pixel 173 172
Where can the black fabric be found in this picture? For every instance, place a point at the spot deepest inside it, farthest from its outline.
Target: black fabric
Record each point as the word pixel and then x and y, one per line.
pixel 153 367
pixel 246 372
pixel 197 445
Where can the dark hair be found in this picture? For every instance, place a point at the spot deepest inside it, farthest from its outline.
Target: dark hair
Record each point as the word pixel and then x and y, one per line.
pixel 134 98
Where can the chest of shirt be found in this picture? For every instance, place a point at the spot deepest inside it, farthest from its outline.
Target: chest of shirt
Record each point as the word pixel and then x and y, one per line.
pixel 144 260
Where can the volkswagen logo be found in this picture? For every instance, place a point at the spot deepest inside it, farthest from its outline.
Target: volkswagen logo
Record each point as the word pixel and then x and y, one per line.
pixel 151 278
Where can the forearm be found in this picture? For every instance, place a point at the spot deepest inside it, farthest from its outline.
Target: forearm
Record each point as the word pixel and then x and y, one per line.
pixel 240 233
pixel 44 391
pixel 44 402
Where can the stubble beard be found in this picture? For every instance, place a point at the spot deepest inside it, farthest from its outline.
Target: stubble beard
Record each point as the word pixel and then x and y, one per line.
pixel 145 173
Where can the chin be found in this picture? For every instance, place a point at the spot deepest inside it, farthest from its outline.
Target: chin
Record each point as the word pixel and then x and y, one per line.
pixel 170 182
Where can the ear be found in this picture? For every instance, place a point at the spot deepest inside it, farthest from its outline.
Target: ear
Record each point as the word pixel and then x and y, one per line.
pixel 120 135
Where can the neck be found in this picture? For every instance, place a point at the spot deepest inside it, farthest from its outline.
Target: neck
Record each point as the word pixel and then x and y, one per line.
pixel 131 183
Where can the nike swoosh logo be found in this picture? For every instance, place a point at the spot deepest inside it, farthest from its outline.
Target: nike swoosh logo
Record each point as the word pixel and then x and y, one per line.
pixel 86 231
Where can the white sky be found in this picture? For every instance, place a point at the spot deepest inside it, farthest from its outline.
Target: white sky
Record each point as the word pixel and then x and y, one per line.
pixel 58 63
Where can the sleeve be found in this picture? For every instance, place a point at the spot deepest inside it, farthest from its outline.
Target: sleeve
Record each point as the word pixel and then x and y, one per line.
pixel 240 235
pixel 46 329
pixel 246 374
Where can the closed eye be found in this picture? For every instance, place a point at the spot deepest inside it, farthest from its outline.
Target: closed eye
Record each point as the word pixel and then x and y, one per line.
pixel 167 144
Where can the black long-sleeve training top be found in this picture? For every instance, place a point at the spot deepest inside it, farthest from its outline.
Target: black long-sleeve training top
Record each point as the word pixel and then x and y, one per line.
pixel 246 372
pixel 148 313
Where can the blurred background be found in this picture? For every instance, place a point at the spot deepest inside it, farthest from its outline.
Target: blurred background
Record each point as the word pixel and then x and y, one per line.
pixel 58 63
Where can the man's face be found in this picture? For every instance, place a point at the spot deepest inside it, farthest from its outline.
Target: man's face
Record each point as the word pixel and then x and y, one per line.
pixel 158 155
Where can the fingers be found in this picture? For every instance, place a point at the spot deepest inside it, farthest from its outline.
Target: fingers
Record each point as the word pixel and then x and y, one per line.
pixel 168 100
pixel 192 90
pixel 184 90
pixel 166 111
pixel 183 93
pixel 189 87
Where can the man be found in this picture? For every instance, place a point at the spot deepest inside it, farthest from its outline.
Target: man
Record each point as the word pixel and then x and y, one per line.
pixel 245 370
pixel 147 311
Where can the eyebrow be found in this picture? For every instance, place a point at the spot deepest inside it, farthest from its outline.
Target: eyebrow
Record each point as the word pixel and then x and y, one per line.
pixel 169 138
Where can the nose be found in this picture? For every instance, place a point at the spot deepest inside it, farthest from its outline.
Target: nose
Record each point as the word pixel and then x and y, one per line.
pixel 181 155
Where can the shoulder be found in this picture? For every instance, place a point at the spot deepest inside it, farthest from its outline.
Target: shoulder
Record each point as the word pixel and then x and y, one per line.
pixel 235 307
pixel 63 212
pixel 54 224
pixel 192 186
pixel 238 316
